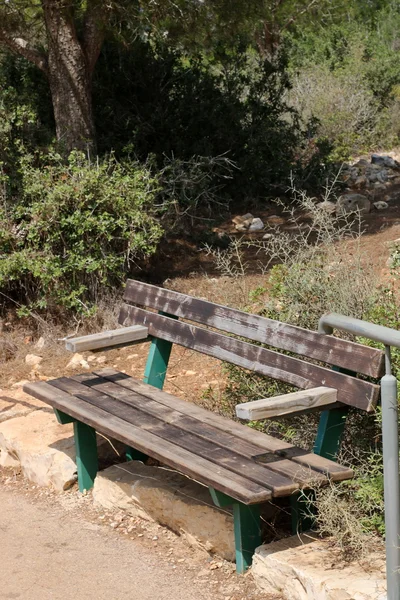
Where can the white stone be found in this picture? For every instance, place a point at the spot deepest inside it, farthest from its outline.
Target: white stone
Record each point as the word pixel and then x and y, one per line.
pixel 33 360
pixel 268 236
pixel 303 568
pixel 78 362
pixel 46 450
pixel 381 205
pixel 7 460
pixel 256 225
pixel 170 499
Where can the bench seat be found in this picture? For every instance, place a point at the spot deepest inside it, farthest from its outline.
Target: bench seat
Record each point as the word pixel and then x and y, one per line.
pixel 246 465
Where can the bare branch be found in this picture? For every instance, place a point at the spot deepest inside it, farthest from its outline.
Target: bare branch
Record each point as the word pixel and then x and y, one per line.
pixel 20 46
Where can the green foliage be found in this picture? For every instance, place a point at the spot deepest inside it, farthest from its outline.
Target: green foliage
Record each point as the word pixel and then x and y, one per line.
pixel 162 102
pixel 346 74
pixel 75 229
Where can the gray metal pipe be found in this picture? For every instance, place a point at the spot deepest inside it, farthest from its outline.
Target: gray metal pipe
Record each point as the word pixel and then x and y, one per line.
pixel 390 437
pixel 385 335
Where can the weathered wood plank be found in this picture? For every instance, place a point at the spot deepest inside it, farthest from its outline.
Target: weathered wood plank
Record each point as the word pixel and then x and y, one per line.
pixel 279 484
pixel 196 467
pixel 311 344
pixel 302 475
pixel 351 391
pixel 265 442
pixel 287 404
pixel 108 339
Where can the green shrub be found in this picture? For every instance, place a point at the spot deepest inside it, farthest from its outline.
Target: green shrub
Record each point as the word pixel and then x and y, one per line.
pixel 321 269
pixel 75 229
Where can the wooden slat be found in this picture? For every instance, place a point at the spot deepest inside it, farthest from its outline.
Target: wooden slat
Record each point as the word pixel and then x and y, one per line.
pixel 191 465
pixel 108 339
pixel 334 351
pixel 302 475
pixel 280 485
pixel 287 404
pixel 299 373
pixel 266 442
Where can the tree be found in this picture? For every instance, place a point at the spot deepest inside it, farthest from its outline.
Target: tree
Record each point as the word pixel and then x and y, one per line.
pixel 63 38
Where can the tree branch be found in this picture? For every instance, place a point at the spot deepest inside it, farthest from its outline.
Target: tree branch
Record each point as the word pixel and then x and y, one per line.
pixel 19 46
pixel 93 32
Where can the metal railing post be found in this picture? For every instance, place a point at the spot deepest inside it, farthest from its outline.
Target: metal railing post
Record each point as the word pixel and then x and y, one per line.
pixel 390 437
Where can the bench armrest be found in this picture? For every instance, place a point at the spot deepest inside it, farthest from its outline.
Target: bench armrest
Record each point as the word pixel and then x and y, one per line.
pixel 125 336
pixel 288 404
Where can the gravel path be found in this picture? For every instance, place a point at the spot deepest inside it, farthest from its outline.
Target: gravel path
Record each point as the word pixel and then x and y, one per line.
pixel 47 553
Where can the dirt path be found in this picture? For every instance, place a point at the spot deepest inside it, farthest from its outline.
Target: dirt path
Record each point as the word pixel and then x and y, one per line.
pixel 50 556
pixel 57 547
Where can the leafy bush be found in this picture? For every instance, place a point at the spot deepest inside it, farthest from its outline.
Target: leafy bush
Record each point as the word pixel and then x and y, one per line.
pixel 315 274
pixel 75 229
pixel 346 74
pixel 150 99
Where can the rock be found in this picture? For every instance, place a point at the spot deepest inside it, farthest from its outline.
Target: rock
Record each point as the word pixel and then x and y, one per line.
pixel 361 163
pixel 243 222
pixel 386 161
pixel 381 205
pixel 268 236
pixel 101 359
pixel 307 569
pixel 40 343
pixel 15 403
pixel 349 203
pixel 78 362
pixel 382 176
pixel 170 499
pixel 33 360
pixel 7 460
pixel 256 225
pixel 360 182
pixel 45 450
pixel 329 207
pixel 19 384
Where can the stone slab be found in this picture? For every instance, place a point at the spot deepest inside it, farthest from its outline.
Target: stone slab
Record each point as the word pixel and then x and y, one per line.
pixel 15 403
pixel 44 449
pixel 169 498
pixel 306 568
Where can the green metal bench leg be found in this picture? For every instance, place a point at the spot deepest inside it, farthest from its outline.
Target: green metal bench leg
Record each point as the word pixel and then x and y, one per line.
pixel 247 528
pixel 331 427
pixel 154 374
pixel 327 443
pixel 301 511
pixel 86 455
pixel 330 430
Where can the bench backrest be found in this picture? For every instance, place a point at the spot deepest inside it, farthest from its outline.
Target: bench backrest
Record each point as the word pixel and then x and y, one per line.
pixel 298 372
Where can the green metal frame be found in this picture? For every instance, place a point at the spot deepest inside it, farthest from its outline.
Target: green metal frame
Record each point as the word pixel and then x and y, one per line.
pixel 85 448
pixel 247 527
pixel 327 444
pixel 154 374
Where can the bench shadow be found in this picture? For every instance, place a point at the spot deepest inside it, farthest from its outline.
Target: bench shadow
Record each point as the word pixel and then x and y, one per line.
pixel 13 402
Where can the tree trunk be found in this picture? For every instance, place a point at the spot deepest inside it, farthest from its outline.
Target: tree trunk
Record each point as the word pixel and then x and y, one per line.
pixel 70 79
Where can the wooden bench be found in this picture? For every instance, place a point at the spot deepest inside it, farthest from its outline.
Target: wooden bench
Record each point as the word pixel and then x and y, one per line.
pixel 242 467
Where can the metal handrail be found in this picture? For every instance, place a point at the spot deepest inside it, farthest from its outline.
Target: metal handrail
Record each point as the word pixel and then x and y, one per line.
pixel 390 436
